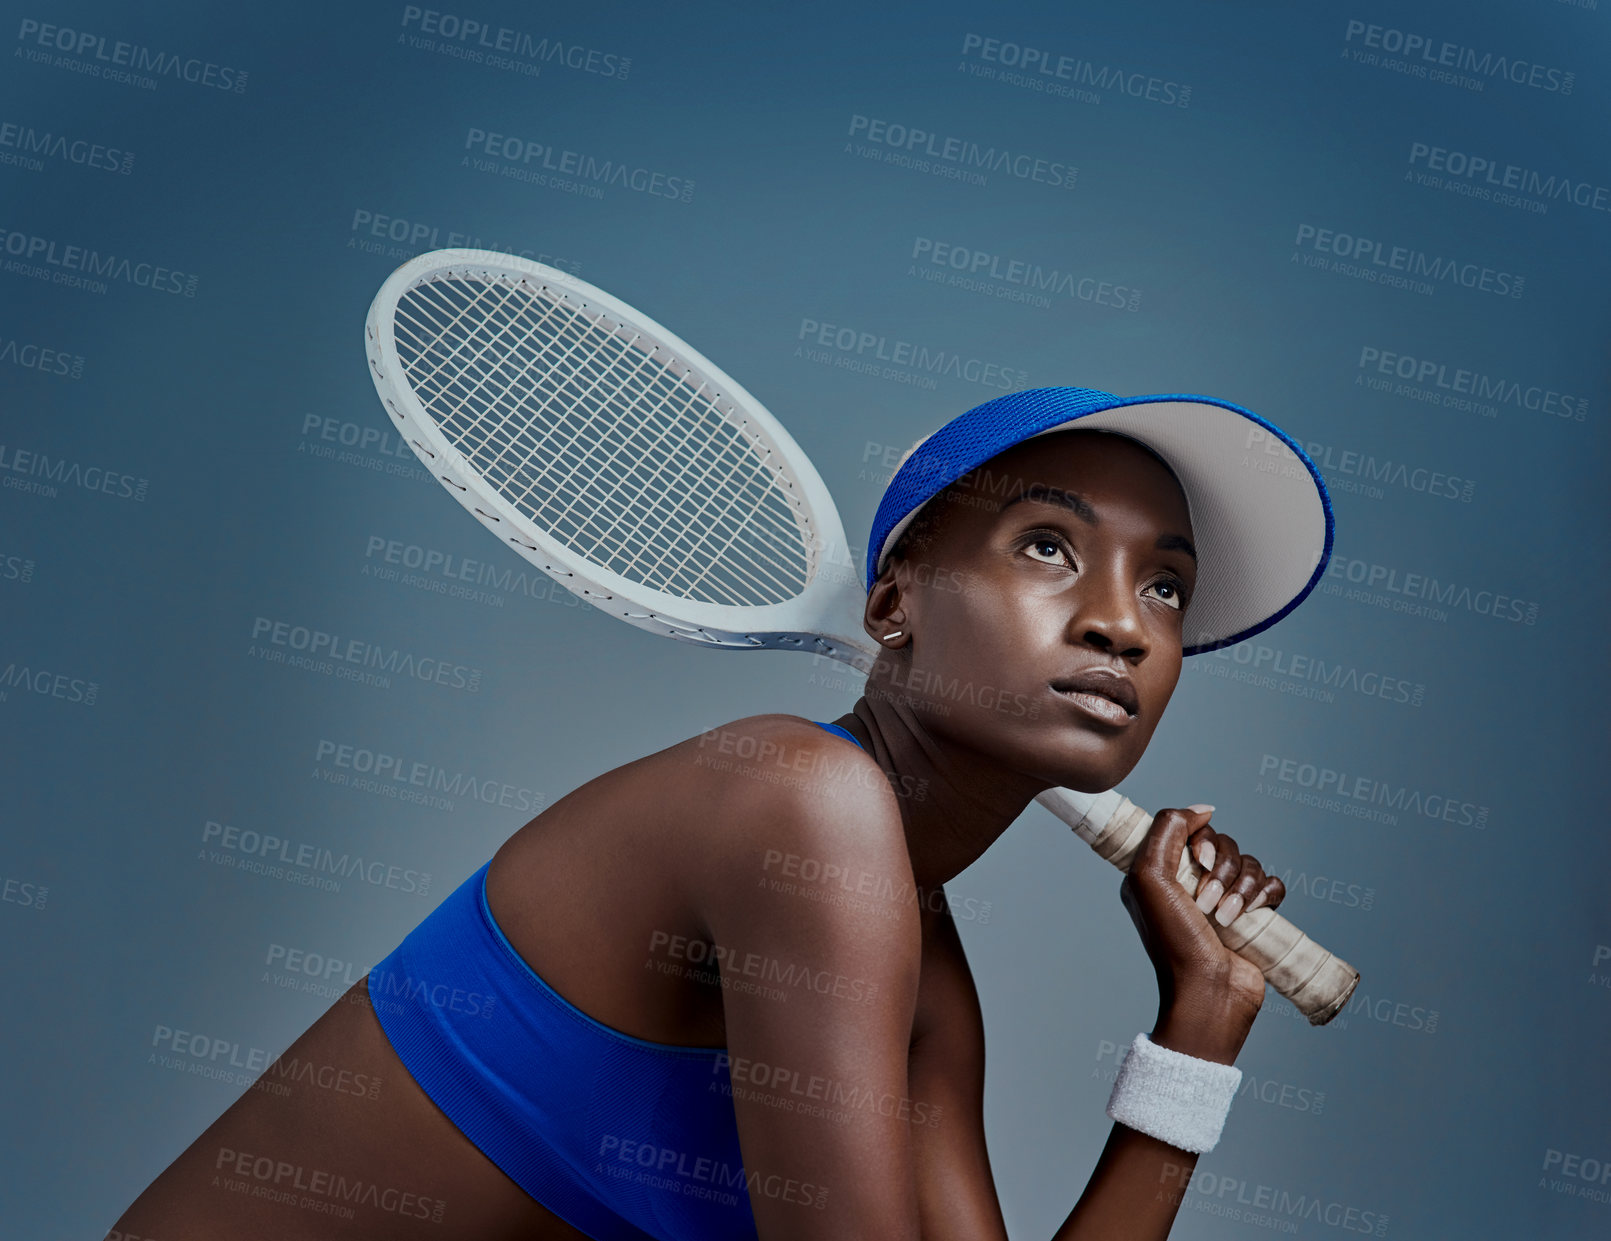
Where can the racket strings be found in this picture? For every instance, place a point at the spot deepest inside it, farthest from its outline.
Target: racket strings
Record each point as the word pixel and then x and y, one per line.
pixel 591 434
pixel 679 417
pixel 774 581
pixel 684 417
pixel 565 434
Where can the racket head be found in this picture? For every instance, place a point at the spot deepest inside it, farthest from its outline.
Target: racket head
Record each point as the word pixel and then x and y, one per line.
pixel 612 455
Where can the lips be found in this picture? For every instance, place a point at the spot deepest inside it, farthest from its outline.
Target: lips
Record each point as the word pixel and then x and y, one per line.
pixel 1113 686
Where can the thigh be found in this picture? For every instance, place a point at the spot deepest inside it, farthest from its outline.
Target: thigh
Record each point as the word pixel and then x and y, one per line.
pixel 337 1140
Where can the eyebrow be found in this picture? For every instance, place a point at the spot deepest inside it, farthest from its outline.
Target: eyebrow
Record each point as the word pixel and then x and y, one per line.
pixel 1040 493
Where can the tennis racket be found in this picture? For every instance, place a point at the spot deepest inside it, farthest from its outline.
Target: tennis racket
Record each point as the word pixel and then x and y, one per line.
pixel 635 472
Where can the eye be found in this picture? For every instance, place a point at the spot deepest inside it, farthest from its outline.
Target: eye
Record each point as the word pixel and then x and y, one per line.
pixel 1049 549
pixel 1174 592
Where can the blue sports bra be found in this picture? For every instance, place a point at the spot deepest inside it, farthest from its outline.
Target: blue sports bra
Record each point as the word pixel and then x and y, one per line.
pixel 623 1138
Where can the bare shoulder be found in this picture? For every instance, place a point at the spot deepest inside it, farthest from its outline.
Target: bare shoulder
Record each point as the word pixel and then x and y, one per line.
pixel 803 824
pixel 797 811
pixel 805 775
pixel 785 745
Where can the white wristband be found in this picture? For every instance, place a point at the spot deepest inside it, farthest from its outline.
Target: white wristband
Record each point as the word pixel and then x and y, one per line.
pixel 1176 1098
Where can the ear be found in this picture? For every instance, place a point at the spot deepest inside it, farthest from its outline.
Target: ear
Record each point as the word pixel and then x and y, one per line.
pixel 884 615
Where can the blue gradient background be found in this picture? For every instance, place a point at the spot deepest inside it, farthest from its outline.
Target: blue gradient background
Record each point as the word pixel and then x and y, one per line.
pixel 1496 929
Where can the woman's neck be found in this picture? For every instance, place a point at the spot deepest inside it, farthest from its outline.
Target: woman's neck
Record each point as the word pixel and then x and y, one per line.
pixel 954 802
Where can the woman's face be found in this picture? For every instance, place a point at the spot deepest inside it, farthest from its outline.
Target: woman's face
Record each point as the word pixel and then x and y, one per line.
pixel 1063 558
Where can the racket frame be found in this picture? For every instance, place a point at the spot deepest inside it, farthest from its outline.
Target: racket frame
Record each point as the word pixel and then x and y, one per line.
pixel 821 619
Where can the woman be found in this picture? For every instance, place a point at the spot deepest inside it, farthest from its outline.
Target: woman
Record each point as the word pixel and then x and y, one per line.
pixel 715 993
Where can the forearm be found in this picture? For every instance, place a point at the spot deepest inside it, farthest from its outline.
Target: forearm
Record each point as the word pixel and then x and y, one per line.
pixel 1139 1182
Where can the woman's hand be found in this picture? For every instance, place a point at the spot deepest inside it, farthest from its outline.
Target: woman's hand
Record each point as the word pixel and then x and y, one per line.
pixel 1203 987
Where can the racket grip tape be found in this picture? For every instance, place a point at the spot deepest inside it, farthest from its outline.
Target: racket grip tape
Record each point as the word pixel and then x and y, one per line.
pixel 1316 982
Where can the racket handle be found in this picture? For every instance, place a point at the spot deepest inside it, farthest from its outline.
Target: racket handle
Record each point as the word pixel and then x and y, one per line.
pixel 1317 983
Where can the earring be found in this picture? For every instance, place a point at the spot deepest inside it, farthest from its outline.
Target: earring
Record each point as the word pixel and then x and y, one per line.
pixel 890 637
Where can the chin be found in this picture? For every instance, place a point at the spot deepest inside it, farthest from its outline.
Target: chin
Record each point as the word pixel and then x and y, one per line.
pixel 1096 773
pixel 1085 782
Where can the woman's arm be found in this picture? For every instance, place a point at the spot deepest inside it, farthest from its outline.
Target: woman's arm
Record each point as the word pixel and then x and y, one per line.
pixel 819 992
pixel 1207 1005
pixel 1207 1000
pixel 1139 1181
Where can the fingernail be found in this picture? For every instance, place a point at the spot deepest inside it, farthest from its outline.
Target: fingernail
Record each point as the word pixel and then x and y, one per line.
pixel 1202 806
pixel 1258 900
pixel 1226 913
pixel 1208 895
pixel 1205 854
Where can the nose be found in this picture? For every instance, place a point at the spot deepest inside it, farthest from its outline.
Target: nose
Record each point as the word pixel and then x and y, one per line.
pixel 1107 615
